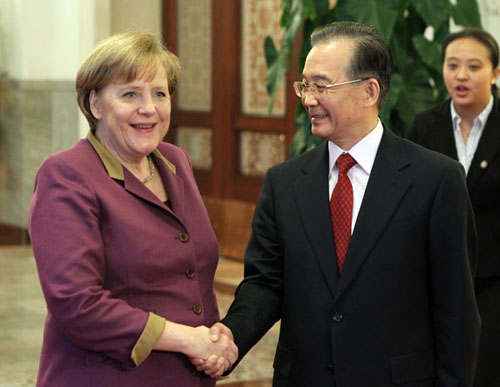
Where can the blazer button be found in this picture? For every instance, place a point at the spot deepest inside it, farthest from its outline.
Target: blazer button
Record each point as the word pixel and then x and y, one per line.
pixel 190 273
pixel 330 369
pixel 337 317
pixel 197 309
pixel 183 237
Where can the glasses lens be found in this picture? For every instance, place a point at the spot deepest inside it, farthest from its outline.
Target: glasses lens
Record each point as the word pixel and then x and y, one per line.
pixel 298 87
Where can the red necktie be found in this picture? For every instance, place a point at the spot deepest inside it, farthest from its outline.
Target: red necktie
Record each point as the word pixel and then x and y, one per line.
pixel 341 209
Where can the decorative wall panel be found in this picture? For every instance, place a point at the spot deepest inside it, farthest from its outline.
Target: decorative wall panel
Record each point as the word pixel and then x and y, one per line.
pixel 194 31
pixel 260 18
pixel 260 151
pixel 197 142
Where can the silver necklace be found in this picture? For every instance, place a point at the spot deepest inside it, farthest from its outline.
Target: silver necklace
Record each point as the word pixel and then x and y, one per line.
pixel 151 170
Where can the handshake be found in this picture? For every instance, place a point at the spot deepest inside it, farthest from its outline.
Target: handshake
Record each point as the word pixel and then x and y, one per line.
pixel 217 351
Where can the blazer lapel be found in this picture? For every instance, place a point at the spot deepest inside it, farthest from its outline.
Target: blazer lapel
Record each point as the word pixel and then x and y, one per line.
pixel 444 138
pixel 135 187
pixel 487 147
pixel 174 186
pixel 311 194
pixel 386 187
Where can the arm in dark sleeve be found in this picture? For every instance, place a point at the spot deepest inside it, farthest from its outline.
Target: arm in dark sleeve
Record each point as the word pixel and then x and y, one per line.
pixel 257 303
pixel 452 258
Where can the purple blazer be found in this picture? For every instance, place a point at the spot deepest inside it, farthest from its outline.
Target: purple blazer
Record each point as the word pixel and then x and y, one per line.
pixel 114 262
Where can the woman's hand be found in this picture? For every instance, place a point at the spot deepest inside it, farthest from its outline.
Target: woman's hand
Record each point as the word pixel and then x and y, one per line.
pixel 214 366
pixel 214 354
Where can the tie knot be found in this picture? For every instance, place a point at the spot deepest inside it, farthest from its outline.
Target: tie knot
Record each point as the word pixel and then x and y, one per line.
pixel 345 162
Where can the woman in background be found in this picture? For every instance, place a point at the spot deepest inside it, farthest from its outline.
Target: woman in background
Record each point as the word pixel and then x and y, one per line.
pixel 124 248
pixel 466 127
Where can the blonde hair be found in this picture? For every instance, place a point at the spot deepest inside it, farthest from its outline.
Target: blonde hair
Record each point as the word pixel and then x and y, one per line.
pixel 123 58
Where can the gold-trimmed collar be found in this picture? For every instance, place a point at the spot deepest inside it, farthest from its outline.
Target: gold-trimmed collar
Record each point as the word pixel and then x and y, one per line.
pixel 112 165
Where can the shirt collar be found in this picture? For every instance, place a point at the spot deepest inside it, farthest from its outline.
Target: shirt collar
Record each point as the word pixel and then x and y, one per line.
pixel 363 152
pixel 481 117
pixel 112 165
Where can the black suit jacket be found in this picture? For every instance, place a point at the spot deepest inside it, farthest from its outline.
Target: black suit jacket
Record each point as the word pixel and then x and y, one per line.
pixel 403 310
pixel 434 130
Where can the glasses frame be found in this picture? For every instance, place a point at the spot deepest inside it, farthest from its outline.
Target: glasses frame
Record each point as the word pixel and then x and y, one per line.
pixel 315 93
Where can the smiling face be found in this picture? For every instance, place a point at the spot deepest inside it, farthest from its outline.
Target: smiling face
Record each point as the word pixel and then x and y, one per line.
pixel 468 74
pixel 133 118
pixel 340 114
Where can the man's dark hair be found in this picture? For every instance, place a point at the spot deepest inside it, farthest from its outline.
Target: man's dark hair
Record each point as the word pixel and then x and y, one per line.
pixel 371 57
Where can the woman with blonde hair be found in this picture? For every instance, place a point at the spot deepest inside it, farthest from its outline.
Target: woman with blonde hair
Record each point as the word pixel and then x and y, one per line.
pixel 125 251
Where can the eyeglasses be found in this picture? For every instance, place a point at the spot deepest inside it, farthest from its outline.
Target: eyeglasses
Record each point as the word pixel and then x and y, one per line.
pixel 318 90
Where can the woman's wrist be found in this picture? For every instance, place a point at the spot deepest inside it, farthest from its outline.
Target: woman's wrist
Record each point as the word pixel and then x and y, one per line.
pixel 175 338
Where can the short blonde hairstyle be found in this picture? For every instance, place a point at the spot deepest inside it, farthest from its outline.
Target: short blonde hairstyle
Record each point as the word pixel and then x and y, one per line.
pixel 119 59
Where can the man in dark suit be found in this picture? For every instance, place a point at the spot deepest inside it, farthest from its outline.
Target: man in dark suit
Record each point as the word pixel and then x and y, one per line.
pixel 398 307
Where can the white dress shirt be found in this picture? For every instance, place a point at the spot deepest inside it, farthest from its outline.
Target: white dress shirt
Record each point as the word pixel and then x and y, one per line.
pixel 465 152
pixel 364 153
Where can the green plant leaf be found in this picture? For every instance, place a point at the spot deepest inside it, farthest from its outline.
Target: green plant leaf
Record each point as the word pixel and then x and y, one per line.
pixel 274 77
pixel 313 142
pixel 270 52
pixel 309 9
pixel 286 6
pixel 466 13
pixel 399 43
pixel 415 96
pixel 413 102
pixel 402 7
pixel 293 25
pixel 298 144
pixel 379 14
pixel 278 62
pixel 442 32
pixel 430 52
pixel 396 86
pixel 322 8
pixel 432 11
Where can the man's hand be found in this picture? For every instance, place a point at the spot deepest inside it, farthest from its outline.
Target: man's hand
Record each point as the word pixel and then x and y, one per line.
pixel 215 365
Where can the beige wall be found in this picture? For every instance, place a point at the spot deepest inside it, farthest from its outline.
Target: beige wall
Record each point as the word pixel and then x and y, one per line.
pixel 42 44
pixel 130 15
pixel 490 16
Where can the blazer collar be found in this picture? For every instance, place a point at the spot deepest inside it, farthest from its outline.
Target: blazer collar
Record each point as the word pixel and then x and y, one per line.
pixel 173 183
pixel 443 132
pixel 112 165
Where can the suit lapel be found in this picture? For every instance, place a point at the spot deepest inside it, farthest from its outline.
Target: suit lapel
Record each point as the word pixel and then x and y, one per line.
pixel 311 194
pixel 385 190
pixel 487 147
pixel 443 136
